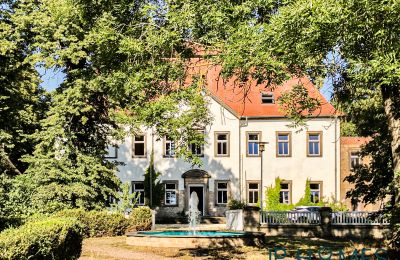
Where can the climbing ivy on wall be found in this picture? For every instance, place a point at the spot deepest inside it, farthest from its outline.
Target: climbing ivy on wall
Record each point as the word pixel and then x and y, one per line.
pixel 272 195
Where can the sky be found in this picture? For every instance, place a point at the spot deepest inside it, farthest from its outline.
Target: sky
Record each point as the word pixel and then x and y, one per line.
pixel 53 78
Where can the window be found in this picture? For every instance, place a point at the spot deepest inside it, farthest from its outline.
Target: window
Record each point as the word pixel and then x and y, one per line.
pixel 222 192
pixel 267 98
pixel 314 147
pixel 169 147
pixel 285 196
pixel 253 192
pixel 197 149
pixel 112 152
pixel 221 144
pixel 138 187
pixel 171 194
pixel 315 188
pixel 283 144
pixel 253 144
pixel 355 160
pixel 139 146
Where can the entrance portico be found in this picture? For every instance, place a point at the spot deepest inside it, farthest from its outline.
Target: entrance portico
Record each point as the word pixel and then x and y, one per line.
pixel 197 180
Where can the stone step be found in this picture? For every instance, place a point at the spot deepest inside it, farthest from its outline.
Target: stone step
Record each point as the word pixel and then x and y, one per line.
pixel 213 220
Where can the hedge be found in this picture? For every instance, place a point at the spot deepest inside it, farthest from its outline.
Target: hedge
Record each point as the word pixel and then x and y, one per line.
pixel 51 238
pixel 98 223
pixel 140 219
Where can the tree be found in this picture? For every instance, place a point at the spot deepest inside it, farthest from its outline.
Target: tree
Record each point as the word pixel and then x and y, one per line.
pixel 125 65
pixel 22 101
pixel 153 187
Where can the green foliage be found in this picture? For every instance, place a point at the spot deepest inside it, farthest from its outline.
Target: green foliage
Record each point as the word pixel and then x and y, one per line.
pixel 153 183
pixel 306 199
pixel 98 223
pixel 51 238
pixel 236 204
pixel 272 196
pixel 140 219
pixel 125 200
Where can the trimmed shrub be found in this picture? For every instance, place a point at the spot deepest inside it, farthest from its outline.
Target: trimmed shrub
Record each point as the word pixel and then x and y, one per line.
pixel 51 238
pixel 140 219
pixel 98 223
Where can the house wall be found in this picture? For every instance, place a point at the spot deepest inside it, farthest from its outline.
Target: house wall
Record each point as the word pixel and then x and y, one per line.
pixel 349 145
pixel 298 167
pixel 238 168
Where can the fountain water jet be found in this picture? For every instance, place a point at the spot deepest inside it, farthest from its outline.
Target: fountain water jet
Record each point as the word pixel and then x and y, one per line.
pixel 194 213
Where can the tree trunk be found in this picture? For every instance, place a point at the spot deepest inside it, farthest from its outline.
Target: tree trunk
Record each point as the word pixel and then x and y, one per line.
pixel 391 99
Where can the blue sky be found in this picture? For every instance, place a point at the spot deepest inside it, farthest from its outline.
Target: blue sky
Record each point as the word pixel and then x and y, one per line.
pixel 53 78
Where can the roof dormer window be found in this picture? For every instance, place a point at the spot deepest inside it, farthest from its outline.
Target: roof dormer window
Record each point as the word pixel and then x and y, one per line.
pixel 267 98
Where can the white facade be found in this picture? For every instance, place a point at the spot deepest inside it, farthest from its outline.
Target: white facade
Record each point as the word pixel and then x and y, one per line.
pixel 239 169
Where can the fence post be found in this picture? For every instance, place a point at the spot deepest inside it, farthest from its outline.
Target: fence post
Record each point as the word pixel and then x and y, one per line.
pixel 251 218
pixel 326 221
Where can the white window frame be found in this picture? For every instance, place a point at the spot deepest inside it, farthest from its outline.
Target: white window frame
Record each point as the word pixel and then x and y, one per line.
pixel 171 191
pixel 141 200
pixel 221 143
pixel 134 141
pixel 319 142
pixel 267 98
pixel 254 143
pixel 253 191
pixel 288 142
pixel 283 191
pixel 355 155
pixel 171 143
pixel 223 191
pixel 314 191
pixel 199 149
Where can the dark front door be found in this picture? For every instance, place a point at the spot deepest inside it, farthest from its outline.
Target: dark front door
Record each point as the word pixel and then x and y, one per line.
pixel 199 191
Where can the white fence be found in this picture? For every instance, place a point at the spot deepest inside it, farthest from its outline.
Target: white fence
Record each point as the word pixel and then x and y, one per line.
pixel 357 218
pixel 289 218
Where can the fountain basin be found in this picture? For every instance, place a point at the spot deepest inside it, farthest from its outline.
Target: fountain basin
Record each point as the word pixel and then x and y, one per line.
pixel 200 239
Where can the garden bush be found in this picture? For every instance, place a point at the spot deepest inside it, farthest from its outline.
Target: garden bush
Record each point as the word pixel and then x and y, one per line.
pixel 50 238
pixel 140 219
pixel 236 204
pixel 98 223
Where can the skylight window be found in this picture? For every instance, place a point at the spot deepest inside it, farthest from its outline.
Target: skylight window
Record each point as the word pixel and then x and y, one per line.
pixel 267 98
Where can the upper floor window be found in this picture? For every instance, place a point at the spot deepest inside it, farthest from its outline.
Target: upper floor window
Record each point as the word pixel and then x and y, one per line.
pixel 138 188
pixel 171 193
pixel 222 192
pixel 169 147
pixel 284 195
pixel 139 146
pixel 267 98
pixel 314 144
pixel 221 144
pixel 197 149
pixel 355 160
pixel 283 145
pixel 253 140
pixel 316 191
pixel 253 192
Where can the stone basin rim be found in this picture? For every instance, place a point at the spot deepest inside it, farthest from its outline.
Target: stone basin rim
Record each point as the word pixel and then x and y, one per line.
pixel 240 234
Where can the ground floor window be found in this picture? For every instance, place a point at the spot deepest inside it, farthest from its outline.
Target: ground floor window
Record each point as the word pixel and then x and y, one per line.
pixel 171 194
pixel 253 192
pixel 222 192
pixel 316 191
pixel 138 188
pixel 285 193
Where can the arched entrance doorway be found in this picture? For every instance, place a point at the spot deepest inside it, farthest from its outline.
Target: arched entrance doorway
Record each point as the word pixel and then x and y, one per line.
pixel 196 180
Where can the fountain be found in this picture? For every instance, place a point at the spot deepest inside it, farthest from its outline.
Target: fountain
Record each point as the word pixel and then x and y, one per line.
pixel 194 213
pixel 194 238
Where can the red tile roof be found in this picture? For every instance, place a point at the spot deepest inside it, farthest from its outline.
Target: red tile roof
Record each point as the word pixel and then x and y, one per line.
pixel 245 101
pixel 354 140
